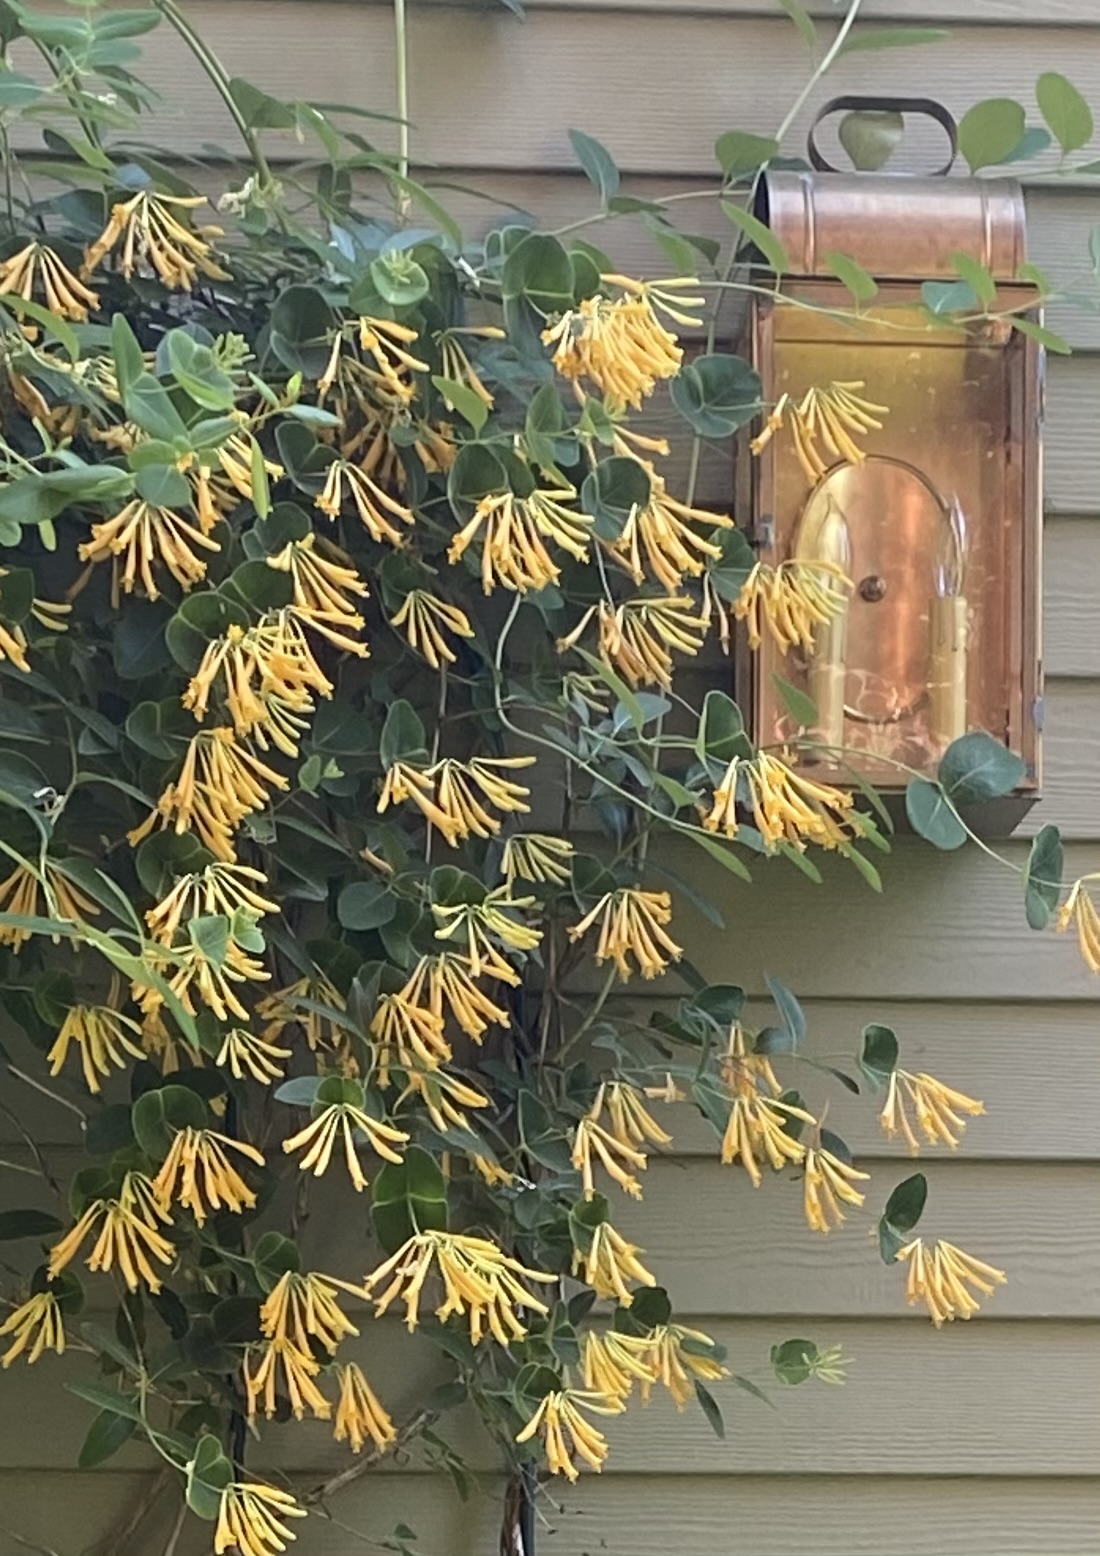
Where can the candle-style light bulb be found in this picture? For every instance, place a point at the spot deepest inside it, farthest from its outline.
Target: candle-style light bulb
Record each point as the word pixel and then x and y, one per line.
pixel 948 631
pixel 826 539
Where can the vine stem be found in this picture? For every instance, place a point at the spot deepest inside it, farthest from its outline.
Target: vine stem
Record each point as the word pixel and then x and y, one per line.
pixel 789 117
pixel 401 66
pixel 216 73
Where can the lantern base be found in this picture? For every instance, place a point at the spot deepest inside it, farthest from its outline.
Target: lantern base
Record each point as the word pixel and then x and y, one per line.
pixel 990 820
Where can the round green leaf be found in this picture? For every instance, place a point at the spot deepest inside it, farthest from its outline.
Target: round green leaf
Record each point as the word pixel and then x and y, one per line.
pixel 399 280
pixel 540 270
pixel 365 905
pixel 408 1197
pixel 717 394
pixel 15 1224
pixel 932 816
pixel 870 137
pixel 990 131
pixel 1065 111
pixel 612 491
pixel 158 1115
pixel 976 767
pixel 1043 876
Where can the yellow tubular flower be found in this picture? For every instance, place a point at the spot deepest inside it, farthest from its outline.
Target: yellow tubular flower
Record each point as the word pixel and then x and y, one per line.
pixel 457 365
pixel 786 806
pixel 221 783
pixel 675 1366
pixel 359 1414
pixel 199 1176
pixel 410 1033
pixel 324 590
pixel 219 888
pixel 479 1280
pixel 128 1235
pixel 657 538
pixel 744 1073
pixel 235 457
pixel 791 601
pixel 456 797
pixel 192 972
pixel 513 531
pixel 372 503
pixel 37 275
pixel 35 1326
pixel 242 1053
pixel 402 782
pixel 284 1008
pixel 299 1371
pixel 342 1119
pixel 638 637
pixel 301 1308
pixel 423 618
pixel 146 232
pixel 386 341
pixel 105 1038
pixel 938 1109
pixel 1079 907
pixel 827 1183
pixel 833 414
pixel 566 1434
pixel 147 537
pixel 537 857
pixel 252 1519
pixel 756 1131
pixel 444 1096
pixel 609 1262
pixel 620 344
pixel 483 923
pixel 452 990
pixel 19 894
pixel 13 647
pixel 611 1363
pixel 939 1277
pixel 631 921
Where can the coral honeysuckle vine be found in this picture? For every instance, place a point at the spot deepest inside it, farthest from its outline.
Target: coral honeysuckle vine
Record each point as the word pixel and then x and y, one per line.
pixel 341 615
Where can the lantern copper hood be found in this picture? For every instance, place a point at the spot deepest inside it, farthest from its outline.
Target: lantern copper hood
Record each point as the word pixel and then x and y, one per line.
pixel 939 525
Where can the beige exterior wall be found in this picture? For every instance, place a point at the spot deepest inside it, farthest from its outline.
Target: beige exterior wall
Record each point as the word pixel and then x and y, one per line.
pixel 983 1440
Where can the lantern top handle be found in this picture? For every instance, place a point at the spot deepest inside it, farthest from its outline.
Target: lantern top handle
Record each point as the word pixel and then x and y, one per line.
pixel 856 102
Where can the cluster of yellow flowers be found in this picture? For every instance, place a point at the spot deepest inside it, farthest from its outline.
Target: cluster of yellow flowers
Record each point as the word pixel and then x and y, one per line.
pixel 786 806
pixel 631 923
pixel 619 344
pixel 619 1143
pixel 449 793
pixel 833 414
pixel 939 1277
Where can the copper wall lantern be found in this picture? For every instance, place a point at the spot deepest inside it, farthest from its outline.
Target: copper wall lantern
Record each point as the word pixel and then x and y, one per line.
pixel 939 525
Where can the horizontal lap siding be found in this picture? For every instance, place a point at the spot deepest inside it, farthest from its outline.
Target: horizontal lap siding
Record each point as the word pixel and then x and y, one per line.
pixel 978 1441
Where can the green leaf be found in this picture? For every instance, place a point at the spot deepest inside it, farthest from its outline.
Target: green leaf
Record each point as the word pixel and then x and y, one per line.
pixel 15 1224
pixel 18 90
pixel 148 403
pixel 612 491
pixel 716 394
pixel 541 1134
pixel 798 703
pixel 977 277
pixel 802 19
pixel 722 1002
pixel 407 1198
pixel 365 905
pixel 861 42
pixel 157 1116
pixel 634 710
pixel 208 1474
pixel 790 1011
pixel 1033 143
pixel 127 354
pixel 976 767
pixel 540 270
pixel 1039 333
pixel 709 1406
pixel 461 398
pixel 162 486
pixel 990 131
pixel 903 1210
pixel 1043 876
pixel 302 324
pixel 946 297
pixel 399 279
pixel 720 852
pixel 597 162
pixel 403 737
pixel 878 1057
pixel 195 368
pixel 792 1360
pixel 476 473
pixel 1065 111
pixel 760 236
pixel 721 729
pixel 106 1435
pixel 108 1400
pixel 864 867
pixel 258 110
pixel 932 816
pixel 870 138
pixel 740 153
pixel 862 286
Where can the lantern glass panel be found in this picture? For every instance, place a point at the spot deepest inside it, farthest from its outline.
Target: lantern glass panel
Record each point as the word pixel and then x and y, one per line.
pixel 931 527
